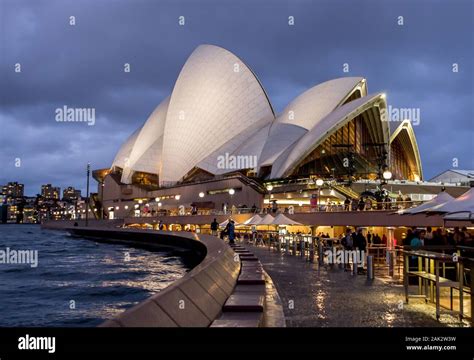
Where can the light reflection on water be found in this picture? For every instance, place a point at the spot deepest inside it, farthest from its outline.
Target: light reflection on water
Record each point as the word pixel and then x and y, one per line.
pixel 95 276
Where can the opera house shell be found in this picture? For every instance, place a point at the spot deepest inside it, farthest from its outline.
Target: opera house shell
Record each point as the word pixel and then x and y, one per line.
pixel 219 108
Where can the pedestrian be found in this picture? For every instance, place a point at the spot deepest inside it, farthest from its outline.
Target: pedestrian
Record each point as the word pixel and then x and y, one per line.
pixel 361 246
pixel 231 231
pixel 214 227
pixel 368 204
pixel 415 241
pixel 354 205
pixel 429 233
pixel 274 206
pixel 408 238
pixel 347 243
pixel 254 234
pixel 347 204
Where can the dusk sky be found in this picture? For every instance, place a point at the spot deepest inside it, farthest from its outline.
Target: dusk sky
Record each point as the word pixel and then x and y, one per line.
pixel 82 65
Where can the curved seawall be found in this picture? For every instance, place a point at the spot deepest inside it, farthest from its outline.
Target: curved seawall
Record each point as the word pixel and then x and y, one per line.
pixel 196 299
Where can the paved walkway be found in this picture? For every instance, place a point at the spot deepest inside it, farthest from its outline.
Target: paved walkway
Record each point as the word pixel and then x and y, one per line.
pixel 327 297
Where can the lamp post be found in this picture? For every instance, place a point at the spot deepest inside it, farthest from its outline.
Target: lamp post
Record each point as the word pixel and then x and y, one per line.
pixel 102 200
pixel 231 193
pixel 87 196
pixel 319 183
pixel 269 189
pixel 387 175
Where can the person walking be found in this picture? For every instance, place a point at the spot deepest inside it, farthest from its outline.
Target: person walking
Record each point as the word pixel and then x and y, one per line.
pixel 348 243
pixel 361 246
pixel 214 227
pixel 231 232
pixel 254 234
pixel 347 204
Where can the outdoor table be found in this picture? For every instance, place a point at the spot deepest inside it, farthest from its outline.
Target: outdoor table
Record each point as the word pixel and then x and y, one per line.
pixel 427 277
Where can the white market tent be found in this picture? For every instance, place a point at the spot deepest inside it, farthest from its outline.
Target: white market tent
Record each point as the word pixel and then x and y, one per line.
pixel 254 220
pixel 282 220
pixel 224 224
pixel 267 220
pixel 440 199
pixel 461 207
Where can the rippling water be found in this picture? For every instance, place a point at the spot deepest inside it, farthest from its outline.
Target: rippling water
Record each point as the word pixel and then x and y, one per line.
pixel 101 280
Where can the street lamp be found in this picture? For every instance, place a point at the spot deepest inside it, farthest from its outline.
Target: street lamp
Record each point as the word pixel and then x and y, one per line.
pixel 387 174
pixel 269 189
pixel 87 197
pixel 319 183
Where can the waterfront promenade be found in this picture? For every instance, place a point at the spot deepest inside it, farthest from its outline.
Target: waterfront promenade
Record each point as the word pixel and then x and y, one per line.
pixel 325 297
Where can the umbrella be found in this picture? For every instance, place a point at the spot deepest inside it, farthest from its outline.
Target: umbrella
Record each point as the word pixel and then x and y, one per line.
pixel 281 219
pixel 440 199
pixel 254 220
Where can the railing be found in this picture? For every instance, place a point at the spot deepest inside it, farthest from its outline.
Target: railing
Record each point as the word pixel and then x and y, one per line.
pixel 392 206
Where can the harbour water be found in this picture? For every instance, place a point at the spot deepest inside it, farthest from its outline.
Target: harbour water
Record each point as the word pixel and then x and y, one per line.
pixel 76 282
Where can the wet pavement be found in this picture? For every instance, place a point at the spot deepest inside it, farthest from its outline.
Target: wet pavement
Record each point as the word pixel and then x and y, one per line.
pixel 330 297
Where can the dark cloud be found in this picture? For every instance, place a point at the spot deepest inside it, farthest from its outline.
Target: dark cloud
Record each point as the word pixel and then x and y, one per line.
pixel 82 66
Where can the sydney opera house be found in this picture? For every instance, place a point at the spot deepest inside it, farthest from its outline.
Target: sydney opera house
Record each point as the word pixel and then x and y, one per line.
pixel 216 141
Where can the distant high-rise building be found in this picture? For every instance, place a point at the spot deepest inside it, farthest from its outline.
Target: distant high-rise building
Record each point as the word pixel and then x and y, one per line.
pixel 50 192
pixel 71 194
pixel 13 190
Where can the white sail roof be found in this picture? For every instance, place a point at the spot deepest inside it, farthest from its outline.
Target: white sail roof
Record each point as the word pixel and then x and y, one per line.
pixel 123 155
pixel 215 97
pixel 325 127
pixel 146 153
pixel 310 107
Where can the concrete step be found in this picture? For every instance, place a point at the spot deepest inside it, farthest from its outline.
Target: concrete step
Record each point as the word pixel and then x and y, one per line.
pixel 239 319
pixel 242 251
pixel 244 302
pixel 246 258
pixel 258 289
pixel 249 279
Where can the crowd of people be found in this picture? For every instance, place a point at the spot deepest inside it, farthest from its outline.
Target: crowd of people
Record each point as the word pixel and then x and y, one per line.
pixel 438 237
